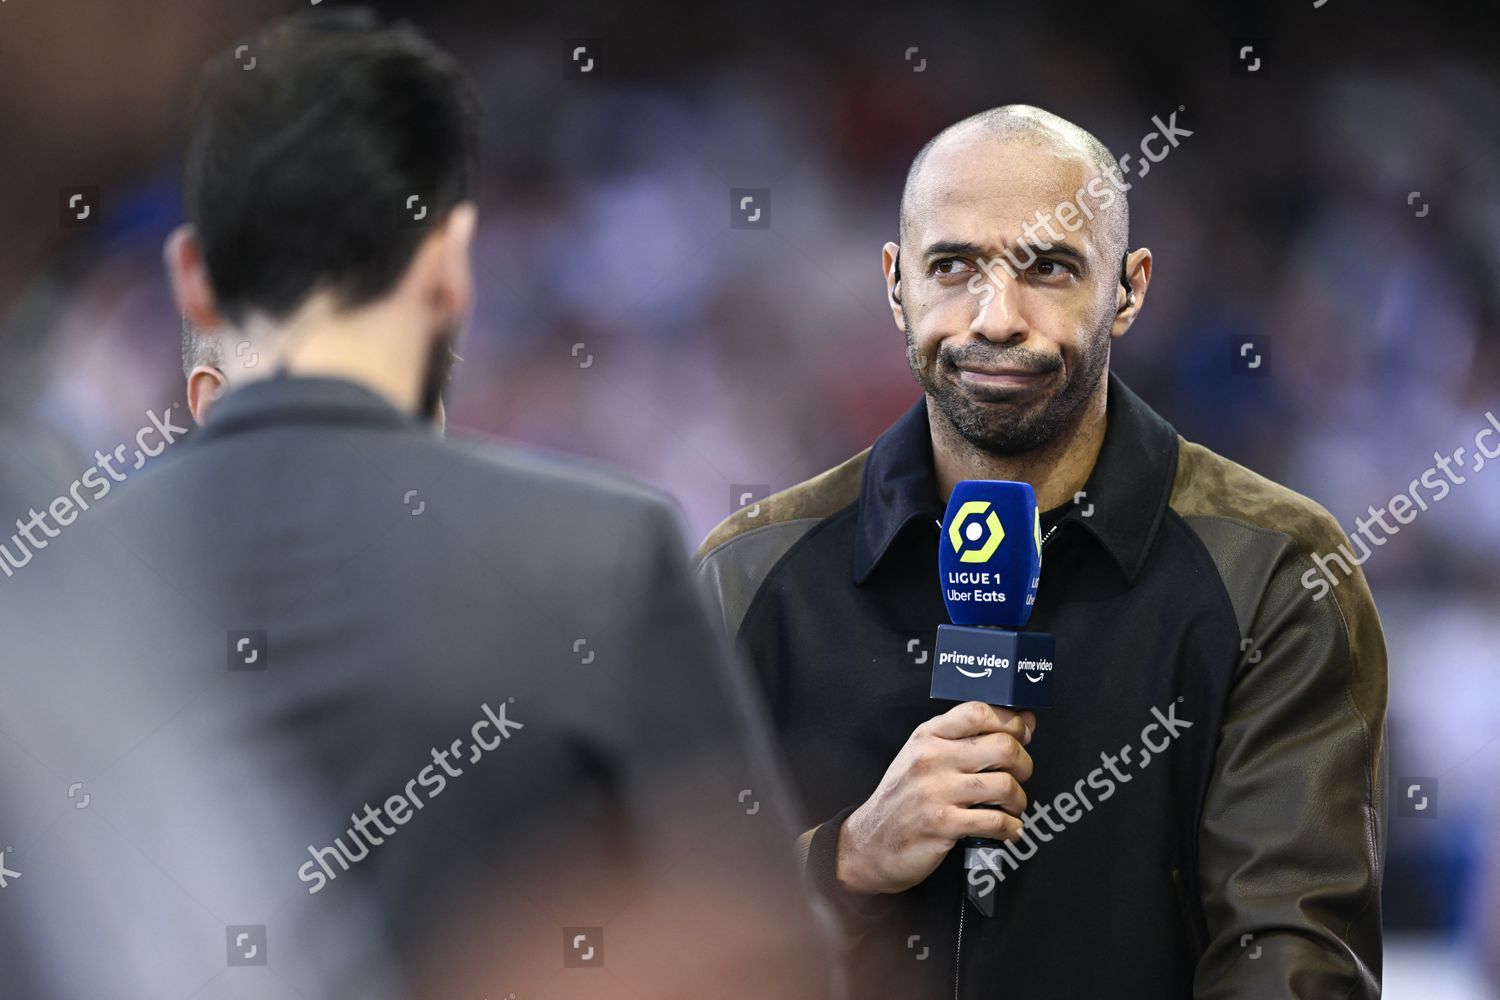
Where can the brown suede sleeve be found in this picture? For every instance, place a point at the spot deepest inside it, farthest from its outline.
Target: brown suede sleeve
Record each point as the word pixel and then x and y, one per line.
pixel 1291 836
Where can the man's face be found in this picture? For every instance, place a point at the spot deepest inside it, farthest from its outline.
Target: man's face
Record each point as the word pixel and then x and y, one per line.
pixel 1010 348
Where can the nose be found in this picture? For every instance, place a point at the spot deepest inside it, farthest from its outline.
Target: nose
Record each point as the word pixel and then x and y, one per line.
pixel 999 316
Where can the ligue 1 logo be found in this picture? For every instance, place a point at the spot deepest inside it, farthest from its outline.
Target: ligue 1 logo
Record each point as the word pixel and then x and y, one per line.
pixel 974 531
pixel 961 529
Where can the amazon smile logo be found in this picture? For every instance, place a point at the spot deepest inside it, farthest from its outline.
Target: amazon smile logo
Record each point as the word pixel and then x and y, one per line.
pixel 988 661
pixel 1034 670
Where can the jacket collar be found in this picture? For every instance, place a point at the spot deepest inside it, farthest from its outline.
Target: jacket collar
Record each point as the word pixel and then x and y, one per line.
pixel 1128 488
pixel 285 399
pixel 899 486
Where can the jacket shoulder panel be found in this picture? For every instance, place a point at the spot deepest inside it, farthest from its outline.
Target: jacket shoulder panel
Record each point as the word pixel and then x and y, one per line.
pixel 1210 484
pixel 737 556
pixel 1209 488
pixel 812 499
pixel 733 572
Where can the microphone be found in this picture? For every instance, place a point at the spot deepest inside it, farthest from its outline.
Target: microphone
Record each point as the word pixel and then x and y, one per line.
pixel 989 567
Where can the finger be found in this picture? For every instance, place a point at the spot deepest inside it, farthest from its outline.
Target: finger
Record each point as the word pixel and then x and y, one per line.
pixel 991 752
pixel 975 717
pixel 994 823
pixel 999 788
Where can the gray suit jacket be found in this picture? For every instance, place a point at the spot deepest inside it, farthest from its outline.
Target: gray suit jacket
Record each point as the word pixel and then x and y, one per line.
pixel 361 709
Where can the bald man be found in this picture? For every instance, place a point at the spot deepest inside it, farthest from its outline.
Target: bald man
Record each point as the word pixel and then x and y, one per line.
pixel 1201 813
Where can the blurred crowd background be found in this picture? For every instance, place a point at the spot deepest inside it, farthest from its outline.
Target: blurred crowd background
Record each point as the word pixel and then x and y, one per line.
pixel 1340 204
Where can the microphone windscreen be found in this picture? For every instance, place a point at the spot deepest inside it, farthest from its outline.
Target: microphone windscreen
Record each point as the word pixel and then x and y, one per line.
pixel 990 553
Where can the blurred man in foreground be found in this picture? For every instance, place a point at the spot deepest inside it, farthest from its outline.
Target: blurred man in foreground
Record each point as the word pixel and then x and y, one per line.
pixel 365 712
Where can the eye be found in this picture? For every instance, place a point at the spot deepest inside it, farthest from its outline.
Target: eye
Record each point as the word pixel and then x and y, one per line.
pixel 950 266
pixel 1051 267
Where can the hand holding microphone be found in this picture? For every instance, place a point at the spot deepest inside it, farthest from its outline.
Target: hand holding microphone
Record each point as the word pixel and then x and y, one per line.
pixel 973 754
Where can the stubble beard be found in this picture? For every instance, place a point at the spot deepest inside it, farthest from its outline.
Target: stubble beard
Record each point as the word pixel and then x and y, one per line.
pixel 1006 428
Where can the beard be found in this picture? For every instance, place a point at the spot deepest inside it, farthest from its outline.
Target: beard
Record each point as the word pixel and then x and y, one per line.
pixel 440 360
pixel 1011 426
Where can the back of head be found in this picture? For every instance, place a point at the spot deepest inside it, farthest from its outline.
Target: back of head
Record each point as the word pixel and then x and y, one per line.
pixel 322 163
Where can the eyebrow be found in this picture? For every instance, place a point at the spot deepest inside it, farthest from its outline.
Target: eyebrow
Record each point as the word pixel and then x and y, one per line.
pixel 963 248
pixel 956 247
pixel 1058 250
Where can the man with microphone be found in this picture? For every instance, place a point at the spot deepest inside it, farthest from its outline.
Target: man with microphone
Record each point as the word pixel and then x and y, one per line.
pixel 1199 812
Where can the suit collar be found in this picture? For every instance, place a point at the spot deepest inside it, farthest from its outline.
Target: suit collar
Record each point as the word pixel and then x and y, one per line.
pixel 285 399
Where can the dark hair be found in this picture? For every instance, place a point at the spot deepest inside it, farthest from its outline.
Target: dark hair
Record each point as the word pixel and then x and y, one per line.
pixel 199 347
pixel 300 166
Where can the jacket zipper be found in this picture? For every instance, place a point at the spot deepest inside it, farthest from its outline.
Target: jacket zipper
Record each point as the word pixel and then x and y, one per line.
pixel 963 899
pixel 958 953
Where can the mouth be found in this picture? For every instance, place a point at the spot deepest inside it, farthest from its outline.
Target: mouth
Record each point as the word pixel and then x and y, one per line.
pixel 1000 377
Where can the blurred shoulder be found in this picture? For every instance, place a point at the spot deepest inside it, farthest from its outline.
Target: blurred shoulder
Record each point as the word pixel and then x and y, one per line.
pixel 550 483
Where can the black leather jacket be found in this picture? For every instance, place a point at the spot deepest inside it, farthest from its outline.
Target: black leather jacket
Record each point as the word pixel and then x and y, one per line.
pixel 1240 858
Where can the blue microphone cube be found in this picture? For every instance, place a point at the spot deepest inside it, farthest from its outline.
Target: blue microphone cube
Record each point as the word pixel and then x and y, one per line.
pixel 990 564
pixel 993 665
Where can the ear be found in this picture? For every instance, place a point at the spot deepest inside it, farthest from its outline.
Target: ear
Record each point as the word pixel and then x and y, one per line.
pixel 205 384
pixel 1128 305
pixel 188 275
pixel 455 260
pixel 890 256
